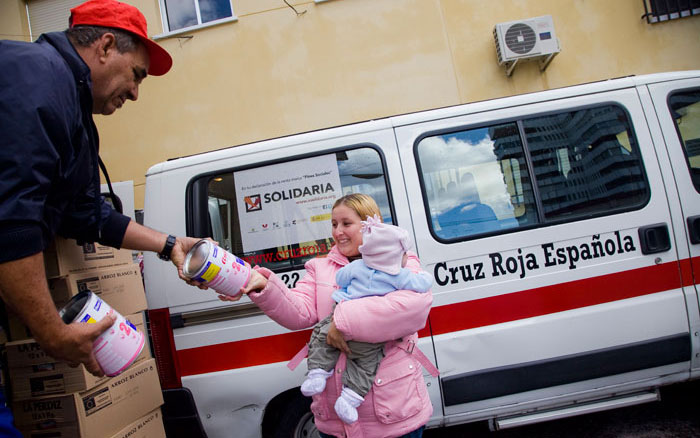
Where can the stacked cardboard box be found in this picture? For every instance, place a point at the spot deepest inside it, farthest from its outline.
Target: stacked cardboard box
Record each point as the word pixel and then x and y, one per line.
pixel 50 396
pixel 65 257
pixel 108 272
pixel 102 411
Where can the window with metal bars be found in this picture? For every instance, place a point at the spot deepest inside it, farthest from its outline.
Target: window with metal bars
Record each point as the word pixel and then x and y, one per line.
pixel 664 10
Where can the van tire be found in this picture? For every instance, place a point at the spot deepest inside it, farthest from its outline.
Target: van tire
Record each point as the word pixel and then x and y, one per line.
pixel 296 419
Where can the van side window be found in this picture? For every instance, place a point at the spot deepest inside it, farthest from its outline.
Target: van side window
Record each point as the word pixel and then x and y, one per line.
pixel 685 110
pixel 550 168
pixel 278 215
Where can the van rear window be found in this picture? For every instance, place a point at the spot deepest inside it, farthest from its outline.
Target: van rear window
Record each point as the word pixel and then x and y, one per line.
pixel 278 215
pixel 685 109
pixel 532 171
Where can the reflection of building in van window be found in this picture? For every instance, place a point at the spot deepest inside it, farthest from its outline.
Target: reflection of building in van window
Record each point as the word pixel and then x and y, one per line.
pixel 600 173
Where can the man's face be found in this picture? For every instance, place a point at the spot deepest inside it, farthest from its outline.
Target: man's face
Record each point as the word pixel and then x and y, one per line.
pixel 118 78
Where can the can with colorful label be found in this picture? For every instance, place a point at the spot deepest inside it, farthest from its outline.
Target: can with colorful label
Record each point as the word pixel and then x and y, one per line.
pixel 119 346
pixel 216 268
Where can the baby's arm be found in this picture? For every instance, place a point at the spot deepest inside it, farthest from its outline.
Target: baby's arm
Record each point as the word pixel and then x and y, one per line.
pixel 343 276
pixel 415 281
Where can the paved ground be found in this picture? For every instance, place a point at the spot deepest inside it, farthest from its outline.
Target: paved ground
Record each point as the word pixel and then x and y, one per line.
pixel 677 415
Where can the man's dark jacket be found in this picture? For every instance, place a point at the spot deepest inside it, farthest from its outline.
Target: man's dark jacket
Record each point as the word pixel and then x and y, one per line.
pixel 49 176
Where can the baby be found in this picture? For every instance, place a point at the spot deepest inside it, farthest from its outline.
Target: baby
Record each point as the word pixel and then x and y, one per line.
pixel 379 271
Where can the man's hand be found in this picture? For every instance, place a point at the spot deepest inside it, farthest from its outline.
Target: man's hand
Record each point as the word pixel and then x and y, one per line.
pixel 177 256
pixel 141 238
pixel 74 342
pixel 24 289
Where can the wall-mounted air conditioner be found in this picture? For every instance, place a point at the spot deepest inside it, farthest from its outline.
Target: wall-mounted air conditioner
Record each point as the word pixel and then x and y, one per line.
pixel 530 39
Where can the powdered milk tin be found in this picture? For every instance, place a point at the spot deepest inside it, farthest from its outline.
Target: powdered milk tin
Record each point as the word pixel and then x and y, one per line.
pixel 115 349
pixel 217 268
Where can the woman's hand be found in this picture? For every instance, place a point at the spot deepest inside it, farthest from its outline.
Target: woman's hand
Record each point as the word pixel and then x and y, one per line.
pixel 336 339
pixel 256 283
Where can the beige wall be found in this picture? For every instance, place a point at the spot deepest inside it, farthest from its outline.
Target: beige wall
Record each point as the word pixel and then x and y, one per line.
pixel 13 20
pixel 273 73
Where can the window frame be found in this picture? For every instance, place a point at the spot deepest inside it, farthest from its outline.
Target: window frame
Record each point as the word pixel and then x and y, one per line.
pixel 167 32
pixel 198 224
pixel 537 198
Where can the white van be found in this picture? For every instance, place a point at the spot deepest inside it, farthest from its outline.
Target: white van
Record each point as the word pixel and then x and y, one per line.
pixel 561 228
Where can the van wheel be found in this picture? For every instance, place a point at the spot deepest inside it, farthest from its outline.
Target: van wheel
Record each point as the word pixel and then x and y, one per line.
pixel 296 419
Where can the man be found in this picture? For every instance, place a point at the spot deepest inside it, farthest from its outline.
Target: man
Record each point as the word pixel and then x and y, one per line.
pixel 49 176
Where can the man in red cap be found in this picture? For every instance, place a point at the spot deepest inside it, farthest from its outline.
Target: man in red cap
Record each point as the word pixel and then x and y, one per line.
pixel 49 174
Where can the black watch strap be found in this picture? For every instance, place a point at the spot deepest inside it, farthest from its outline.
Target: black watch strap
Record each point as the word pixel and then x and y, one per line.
pixel 168 248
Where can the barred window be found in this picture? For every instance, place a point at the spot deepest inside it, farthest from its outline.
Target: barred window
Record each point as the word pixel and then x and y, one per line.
pixel 664 10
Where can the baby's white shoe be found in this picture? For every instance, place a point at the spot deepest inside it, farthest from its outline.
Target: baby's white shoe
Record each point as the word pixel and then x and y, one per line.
pixel 315 382
pixel 346 405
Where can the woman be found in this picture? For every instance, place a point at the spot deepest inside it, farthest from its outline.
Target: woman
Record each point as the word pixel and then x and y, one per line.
pixel 398 404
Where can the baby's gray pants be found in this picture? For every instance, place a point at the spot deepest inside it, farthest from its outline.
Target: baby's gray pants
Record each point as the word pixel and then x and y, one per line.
pixel 362 363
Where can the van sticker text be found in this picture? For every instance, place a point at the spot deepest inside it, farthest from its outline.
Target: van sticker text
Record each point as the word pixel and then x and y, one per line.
pixel 521 262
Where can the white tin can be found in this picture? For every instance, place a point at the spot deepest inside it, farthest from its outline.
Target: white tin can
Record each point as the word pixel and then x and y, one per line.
pixel 216 268
pixel 119 346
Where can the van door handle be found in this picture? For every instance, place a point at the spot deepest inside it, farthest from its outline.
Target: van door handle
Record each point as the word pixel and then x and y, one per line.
pixel 654 238
pixel 694 228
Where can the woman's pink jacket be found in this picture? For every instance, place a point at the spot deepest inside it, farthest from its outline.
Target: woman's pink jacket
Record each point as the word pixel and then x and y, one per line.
pixel 398 403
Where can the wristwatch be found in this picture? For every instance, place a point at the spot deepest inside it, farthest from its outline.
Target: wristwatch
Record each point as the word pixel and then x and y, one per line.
pixel 168 248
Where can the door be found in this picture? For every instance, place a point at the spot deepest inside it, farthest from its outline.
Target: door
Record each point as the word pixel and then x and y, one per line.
pixel 677 107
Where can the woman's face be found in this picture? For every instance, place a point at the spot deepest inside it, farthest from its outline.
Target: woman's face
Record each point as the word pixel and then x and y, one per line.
pixel 346 230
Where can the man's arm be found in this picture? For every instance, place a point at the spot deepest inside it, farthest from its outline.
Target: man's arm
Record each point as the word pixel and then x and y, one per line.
pixel 23 287
pixel 141 238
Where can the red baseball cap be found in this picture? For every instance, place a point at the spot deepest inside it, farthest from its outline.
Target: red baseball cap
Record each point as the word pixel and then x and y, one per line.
pixel 113 13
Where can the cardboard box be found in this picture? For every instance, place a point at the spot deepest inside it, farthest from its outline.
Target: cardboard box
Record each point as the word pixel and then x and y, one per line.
pixel 65 256
pixel 120 286
pixel 99 412
pixel 148 426
pixel 33 373
pixel 50 378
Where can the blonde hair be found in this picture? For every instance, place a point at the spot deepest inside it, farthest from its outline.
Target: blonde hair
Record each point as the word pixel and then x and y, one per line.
pixel 363 205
